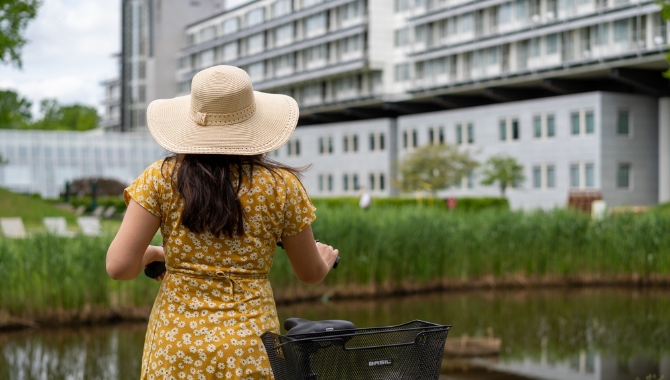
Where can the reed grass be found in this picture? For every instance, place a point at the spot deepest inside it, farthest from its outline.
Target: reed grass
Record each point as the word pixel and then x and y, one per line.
pixel 378 246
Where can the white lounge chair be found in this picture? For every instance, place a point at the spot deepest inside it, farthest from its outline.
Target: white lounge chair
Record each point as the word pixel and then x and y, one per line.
pixel 13 227
pixel 57 226
pixel 80 210
pixel 98 211
pixel 109 212
pixel 89 225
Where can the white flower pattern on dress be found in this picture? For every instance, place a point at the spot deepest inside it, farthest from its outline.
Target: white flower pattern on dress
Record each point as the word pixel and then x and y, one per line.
pixel 216 300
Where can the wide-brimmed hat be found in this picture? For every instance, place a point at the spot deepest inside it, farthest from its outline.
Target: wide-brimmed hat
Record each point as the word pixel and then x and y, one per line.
pixel 223 115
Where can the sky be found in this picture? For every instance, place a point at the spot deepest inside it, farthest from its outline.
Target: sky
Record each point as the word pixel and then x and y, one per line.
pixel 69 52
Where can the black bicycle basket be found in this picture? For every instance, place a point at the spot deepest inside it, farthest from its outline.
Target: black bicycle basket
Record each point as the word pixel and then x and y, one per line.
pixel 410 351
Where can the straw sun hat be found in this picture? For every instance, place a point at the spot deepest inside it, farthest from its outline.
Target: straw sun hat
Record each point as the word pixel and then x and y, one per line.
pixel 223 115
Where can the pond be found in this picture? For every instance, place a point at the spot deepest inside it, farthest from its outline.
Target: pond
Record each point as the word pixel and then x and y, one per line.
pixel 596 334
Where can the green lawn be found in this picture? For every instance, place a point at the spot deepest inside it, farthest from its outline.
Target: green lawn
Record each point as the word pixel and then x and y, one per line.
pixel 32 210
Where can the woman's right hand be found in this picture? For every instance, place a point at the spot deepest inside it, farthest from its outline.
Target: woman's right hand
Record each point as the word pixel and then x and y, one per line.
pixel 328 253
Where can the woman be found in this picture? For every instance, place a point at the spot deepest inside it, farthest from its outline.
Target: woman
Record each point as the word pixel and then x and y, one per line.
pixel 221 207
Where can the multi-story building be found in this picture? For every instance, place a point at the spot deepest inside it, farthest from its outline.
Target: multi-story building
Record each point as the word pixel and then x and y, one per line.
pixel 371 76
pixel 42 161
pixel 151 35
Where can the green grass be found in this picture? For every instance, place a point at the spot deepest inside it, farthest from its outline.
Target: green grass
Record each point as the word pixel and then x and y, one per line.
pixel 388 246
pixel 33 209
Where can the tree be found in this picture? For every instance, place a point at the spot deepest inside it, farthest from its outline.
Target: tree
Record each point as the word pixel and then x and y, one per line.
pixel 14 110
pixel 434 167
pixel 75 117
pixel 503 169
pixel 105 186
pixel 665 13
pixel 14 17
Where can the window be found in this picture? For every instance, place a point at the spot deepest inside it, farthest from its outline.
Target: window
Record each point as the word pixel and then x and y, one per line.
pixel 503 130
pixel 404 139
pixel 316 53
pixel 256 71
pixel 281 7
pixel 207 58
pixel 471 134
pixel 552 43
pixel 493 56
pixel 321 181
pixel 284 34
pixel 551 177
pixel 372 142
pixel 623 176
pixel 621 30
pixel 208 33
pixel 623 123
pixel 316 23
pixel 601 34
pixel 574 123
pixel 381 141
pixel 471 179
pixel 402 37
pixel 309 3
pixel 590 123
pixel 355 181
pixel 574 175
pixel 325 182
pixel 345 182
pixel 401 72
pixel 401 5
pixel 466 23
pixel 382 183
pixel 537 127
pixel 551 126
pixel 293 148
pixel 515 129
pixel 231 26
pixel 330 182
pixel 459 134
pixel 255 17
pixel 350 11
pixel 589 175
pixel 350 143
pixel 372 181
pixel 415 139
pixel 256 43
pixel 326 145
pixel 230 51
pixel 537 177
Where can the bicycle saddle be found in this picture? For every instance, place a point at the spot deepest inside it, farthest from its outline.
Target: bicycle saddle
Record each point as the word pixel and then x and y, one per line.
pixel 297 326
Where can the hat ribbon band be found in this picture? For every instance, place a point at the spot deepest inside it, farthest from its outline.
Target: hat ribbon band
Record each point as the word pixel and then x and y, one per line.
pixel 206 119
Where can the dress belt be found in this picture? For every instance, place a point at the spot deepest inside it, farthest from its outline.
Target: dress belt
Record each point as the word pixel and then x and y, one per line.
pixel 226 275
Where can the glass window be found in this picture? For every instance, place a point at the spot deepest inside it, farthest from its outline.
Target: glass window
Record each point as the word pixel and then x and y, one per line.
pixel 589 175
pixel 415 138
pixel 320 182
pixel 356 185
pixel 257 71
pixel 623 176
pixel 309 3
pixel 574 175
pixel 284 34
pixel 466 23
pixel 441 132
pixel 471 134
pixel 601 33
pixel 404 139
pixel 316 22
pixel 623 122
pixel 372 141
pixel 537 177
pixel 345 182
pixel 230 51
pixel 515 130
pixel 256 43
pixel 382 184
pixel 493 56
pixel 537 127
pixel 330 182
pixel 381 141
pixel 574 123
pixel 322 147
pixel 503 130
pixel 255 17
pixel 551 126
pixel 552 43
pixel 345 143
pixel 551 177
pixel 590 123
pixel 281 7
pixel 621 30
pixel 231 26
pixel 471 179
pixel 372 181
pixel 402 72
pixel 459 134
pixel 355 140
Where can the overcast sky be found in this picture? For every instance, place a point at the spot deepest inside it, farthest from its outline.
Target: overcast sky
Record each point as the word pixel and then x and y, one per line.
pixel 69 52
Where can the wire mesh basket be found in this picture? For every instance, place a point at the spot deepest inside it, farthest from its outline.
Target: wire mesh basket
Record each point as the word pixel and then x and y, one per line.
pixel 411 351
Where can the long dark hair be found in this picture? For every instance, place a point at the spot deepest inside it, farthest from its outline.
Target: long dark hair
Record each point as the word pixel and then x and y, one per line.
pixel 210 184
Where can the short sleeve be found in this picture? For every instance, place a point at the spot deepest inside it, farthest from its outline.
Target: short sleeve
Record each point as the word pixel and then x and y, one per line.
pixel 146 190
pixel 298 209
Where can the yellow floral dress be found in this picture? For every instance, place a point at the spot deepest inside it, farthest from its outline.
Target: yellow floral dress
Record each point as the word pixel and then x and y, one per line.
pixel 216 300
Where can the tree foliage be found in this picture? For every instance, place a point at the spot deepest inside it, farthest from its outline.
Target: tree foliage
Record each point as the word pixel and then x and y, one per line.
pixel 665 13
pixel 434 167
pixel 505 170
pixel 105 187
pixel 15 114
pixel 14 18
pixel 14 110
pixel 75 117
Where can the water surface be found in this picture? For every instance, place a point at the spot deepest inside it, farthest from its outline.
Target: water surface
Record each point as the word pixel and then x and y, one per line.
pixel 602 334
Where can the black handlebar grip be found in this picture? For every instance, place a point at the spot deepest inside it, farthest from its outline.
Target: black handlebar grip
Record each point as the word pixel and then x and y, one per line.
pixel 155 269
